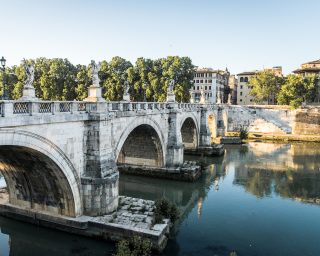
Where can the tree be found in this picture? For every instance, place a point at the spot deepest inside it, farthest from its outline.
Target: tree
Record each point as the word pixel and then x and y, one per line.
pixel 298 89
pixel 113 75
pixel 58 79
pixel 265 86
pixel 83 82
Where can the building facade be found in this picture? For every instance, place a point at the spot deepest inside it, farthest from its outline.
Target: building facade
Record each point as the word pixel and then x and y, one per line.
pixel 244 88
pixel 212 83
pixel 233 86
pixel 308 68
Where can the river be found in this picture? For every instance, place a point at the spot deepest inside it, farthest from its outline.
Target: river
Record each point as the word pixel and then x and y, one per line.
pixel 258 199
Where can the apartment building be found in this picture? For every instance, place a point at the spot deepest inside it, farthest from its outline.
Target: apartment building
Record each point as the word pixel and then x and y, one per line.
pixel 213 84
pixel 243 90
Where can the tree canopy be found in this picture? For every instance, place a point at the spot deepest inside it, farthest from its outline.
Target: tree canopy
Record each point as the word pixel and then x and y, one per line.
pixel 265 86
pixel 298 89
pixel 59 79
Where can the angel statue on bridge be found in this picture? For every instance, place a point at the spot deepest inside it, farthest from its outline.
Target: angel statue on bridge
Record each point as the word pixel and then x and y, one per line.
pixel 171 86
pixel 95 70
pixel 29 72
pixel 126 88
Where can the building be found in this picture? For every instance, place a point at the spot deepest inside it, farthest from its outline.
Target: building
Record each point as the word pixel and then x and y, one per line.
pixel 308 68
pixel 233 86
pixel 212 83
pixel 243 90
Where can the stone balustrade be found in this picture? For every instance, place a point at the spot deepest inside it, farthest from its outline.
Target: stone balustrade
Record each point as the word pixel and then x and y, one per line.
pixel 13 108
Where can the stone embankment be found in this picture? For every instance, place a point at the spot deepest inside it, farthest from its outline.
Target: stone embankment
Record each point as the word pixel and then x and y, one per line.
pixel 189 171
pixel 134 217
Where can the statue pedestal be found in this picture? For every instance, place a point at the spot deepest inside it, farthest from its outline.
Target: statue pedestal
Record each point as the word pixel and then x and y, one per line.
pixel 171 97
pixel 126 97
pixel 95 94
pixel 28 93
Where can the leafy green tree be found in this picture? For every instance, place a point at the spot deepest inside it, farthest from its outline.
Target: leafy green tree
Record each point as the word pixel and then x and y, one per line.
pixel 265 86
pixel 58 79
pixel 83 82
pixel 298 89
pixel 113 75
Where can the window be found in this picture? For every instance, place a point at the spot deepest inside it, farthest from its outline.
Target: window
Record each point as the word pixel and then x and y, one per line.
pixel 205 81
pixel 250 100
pixel 205 87
pixel 201 81
pixel 210 81
pixel 246 79
pixel 241 86
pixel 209 87
pixel 241 79
pixel 240 100
pixel 240 93
pixel 197 87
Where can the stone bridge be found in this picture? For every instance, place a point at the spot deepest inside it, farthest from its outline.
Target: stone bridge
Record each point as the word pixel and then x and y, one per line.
pixel 62 157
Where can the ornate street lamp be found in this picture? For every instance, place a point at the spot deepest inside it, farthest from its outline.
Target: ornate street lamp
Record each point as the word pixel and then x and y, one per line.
pixel 3 68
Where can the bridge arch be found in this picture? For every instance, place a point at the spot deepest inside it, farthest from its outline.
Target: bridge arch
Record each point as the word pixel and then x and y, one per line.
pixel 39 176
pixel 189 132
pixel 141 143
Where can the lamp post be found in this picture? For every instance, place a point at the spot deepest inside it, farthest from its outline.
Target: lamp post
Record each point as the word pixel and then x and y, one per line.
pixel 3 68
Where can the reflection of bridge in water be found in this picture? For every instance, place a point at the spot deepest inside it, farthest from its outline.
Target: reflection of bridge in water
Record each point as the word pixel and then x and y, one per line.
pixel 185 195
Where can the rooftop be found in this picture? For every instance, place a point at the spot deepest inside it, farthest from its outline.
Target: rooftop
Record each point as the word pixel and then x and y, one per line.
pixel 248 73
pixel 313 62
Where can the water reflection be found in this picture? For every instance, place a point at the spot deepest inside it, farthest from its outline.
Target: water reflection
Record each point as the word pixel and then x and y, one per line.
pixel 290 171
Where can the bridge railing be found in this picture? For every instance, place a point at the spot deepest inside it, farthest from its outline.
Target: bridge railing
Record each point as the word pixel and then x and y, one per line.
pixel 15 108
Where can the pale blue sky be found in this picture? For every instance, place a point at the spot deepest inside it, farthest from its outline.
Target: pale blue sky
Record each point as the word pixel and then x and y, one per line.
pixel 240 34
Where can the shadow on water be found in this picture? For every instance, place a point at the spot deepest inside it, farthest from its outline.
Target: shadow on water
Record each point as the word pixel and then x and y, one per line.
pixel 19 238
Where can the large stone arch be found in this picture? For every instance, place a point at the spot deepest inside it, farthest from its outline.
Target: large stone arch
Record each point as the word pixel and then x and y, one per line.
pixel 38 174
pixel 141 143
pixel 189 129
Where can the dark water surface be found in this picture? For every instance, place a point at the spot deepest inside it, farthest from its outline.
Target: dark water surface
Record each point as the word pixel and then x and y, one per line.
pixel 259 199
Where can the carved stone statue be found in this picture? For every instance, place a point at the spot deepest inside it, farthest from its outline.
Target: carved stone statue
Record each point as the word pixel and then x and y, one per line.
pixel 171 86
pixel 229 98
pixel 219 97
pixel 95 93
pixel 202 96
pixel 126 95
pixel 191 96
pixel 126 88
pixel 95 71
pixel 30 74
pixel 28 92
pixel 170 94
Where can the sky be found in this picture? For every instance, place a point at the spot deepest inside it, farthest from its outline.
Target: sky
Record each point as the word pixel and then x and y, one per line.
pixel 242 35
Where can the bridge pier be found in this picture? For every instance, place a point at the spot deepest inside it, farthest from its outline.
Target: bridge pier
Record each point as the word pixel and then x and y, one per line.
pixel 101 177
pixel 206 148
pixel 175 148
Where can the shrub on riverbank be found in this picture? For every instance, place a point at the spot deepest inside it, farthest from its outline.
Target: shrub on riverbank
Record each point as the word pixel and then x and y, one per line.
pixel 243 133
pixel 136 246
pixel 165 209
